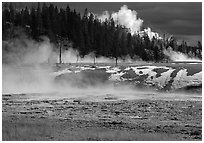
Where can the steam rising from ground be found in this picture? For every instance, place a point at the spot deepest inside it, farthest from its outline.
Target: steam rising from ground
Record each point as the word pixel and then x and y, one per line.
pixel 178 56
pixel 26 79
pixel 72 56
pixel 27 51
pixel 22 69
pixel 130 20
pixel 29 66
pixel 125 17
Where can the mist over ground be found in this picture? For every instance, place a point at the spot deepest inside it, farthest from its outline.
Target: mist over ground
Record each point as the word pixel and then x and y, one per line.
pixel 32 69
pixel 97 77
pixel 29 66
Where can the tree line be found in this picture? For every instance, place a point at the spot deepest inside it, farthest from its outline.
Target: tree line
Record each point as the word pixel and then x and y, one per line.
pixel 88 34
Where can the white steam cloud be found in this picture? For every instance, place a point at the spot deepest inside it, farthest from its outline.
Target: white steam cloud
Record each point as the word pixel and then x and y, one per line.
pixel 22 65
pixel 105 15
pixel 150 33
pixel 27 51
pixel 178 56
pixel 72 56
pixel 125 17
pixel 28 66
pixel 129 19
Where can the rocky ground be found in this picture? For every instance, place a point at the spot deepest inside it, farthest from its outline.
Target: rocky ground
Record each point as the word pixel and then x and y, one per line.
pixel 108 119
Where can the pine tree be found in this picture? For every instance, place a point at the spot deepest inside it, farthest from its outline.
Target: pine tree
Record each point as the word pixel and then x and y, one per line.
pixel 116 46
pixel 91 31
pixel 26 17
pixel 12 13
pixel 62 23
pixel 123 45
pixel 33 23
pixel 81 43
pixel 88 33
pixel 39 21
pixel 56 24
pixel 129 45
pixel 45 17
pixel 68 19
pixel 85 13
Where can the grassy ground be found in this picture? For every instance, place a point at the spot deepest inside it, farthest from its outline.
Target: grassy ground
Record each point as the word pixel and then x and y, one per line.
pixel 76 119
pixel 107 119
pixel 47 129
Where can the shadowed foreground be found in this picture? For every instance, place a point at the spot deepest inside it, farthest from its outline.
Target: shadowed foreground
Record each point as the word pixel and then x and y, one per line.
pixel 77 119
pixel 45 129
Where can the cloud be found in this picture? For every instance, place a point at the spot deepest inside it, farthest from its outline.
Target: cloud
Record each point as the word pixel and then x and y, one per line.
pixel 125 17
pixel 178 56
pixel 105 15
pixel 129 19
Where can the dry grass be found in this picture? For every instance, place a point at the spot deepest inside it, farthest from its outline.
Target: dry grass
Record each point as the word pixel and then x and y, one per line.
pixel 44 129
pixel 25 131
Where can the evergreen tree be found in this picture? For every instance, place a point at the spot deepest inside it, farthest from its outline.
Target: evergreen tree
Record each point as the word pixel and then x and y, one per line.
pixel 62 23
pixel 129 45
pixel 123 51
pixel 116 46
pixel 39 24
pixel 88 33
pixel 11 13
pixel 91 31
pixel 68 19
pixel 85 13
pixel 81 43
pixel 26 17
pixel 33 23
pixel 45 17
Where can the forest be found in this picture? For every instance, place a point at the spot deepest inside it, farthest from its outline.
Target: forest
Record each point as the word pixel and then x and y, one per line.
pixel 87 34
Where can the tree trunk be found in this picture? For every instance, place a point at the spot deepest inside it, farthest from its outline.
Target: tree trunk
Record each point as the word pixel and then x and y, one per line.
pixel 60 54
pixel 77 58
pixel 94 60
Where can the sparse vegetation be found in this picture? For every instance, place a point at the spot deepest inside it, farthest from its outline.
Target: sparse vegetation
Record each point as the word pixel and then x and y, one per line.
pixel 122 120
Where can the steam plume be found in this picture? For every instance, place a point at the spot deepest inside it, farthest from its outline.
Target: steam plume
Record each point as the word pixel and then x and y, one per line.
pixel 72 56
pixel 178 56
pixel 130 20
pixel 22 69
pixel 28 66
pixel 27 51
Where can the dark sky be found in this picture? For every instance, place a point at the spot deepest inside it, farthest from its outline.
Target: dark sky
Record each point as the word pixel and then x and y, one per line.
pixel 181 19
